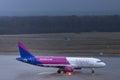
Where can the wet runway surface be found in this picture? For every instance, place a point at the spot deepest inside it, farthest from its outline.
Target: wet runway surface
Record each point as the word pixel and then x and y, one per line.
pixel 10 69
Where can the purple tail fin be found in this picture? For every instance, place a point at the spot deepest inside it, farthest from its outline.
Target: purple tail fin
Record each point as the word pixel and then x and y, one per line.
pixel 24 53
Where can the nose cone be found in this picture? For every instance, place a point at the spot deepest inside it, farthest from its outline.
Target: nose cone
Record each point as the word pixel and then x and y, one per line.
pixel 100 65
pixel 103 64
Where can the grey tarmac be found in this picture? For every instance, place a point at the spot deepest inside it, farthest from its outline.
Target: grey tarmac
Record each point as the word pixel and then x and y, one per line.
pixel 10 69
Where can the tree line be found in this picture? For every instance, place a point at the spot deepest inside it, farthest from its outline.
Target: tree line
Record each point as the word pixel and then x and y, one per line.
pixel 59 24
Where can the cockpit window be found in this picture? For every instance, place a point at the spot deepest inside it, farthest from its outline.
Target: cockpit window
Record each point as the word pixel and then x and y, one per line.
pixel 99 61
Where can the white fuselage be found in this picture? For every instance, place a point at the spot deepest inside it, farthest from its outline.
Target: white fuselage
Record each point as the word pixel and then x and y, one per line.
pixel 85 62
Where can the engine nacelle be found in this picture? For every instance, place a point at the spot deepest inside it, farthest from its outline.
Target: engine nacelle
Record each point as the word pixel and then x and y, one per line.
pixel 68 69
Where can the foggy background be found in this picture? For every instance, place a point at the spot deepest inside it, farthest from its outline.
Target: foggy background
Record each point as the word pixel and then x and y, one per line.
pixel 58 7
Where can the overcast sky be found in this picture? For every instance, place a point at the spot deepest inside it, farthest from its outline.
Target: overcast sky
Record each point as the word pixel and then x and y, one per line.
pixel 58 7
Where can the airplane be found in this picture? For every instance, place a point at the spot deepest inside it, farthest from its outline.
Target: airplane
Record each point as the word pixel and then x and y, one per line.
pixel 64 64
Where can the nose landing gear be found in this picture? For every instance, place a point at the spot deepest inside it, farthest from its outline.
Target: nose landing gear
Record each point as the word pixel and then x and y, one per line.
pixel 93 71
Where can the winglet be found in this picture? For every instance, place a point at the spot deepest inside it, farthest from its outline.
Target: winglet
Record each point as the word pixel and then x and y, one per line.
pixel 24 53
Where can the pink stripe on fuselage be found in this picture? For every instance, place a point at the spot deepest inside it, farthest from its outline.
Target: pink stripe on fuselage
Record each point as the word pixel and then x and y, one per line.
pixel 52 60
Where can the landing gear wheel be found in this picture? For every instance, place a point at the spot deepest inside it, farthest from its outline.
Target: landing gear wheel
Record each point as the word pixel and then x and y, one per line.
pixel 93 71
pixel 59 71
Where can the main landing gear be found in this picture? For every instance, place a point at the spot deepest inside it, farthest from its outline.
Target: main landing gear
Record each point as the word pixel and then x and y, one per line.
pixel 59 71
pixel 68 73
